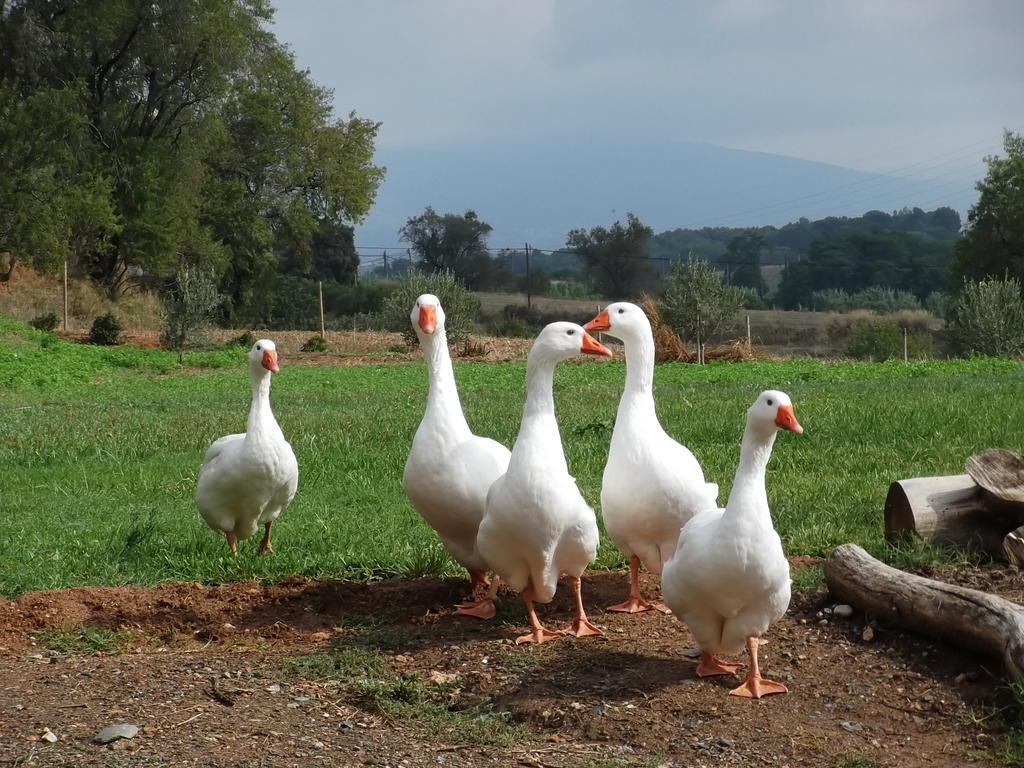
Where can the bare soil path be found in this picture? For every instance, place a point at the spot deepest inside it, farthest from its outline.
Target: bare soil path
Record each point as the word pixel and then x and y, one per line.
pixel 285 675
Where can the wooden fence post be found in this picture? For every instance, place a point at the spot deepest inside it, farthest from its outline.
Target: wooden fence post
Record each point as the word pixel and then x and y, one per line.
pixel 320 288
pixel 65 296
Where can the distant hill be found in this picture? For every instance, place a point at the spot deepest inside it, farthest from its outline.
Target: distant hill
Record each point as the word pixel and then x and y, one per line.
pixel 536 191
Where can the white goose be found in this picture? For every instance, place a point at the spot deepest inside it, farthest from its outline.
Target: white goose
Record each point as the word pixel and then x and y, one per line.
pixel 449 469
pixel 652 485
pixel 729 579
pixel 248 479
pixel 537 526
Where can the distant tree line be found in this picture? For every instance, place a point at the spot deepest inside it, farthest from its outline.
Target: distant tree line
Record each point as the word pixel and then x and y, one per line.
pixel 909 251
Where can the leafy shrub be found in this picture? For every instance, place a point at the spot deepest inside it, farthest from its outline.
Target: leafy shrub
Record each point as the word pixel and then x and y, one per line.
pixel 294 305
pixel 460 306
pixel 939 304
pixel 47 322
pixel 884 341
pixel 342 300
pixel 518 321
pixel 752 299
pixel 244 340
pixel 511 328
pixel 875 298
pixel 569 288
pixel 106 330
pixel 363 321
pixel 315 344
pixel 538 283
pixel 989 318
pixel 695 295
pixel 189 304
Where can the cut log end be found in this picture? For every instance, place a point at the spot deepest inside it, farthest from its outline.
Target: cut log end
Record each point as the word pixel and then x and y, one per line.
pixel 999 473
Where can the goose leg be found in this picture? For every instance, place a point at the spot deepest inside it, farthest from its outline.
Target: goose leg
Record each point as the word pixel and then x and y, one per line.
pixel 635 603
pixel 484 607
pixel 232 542
pixel 265 548
pixel 538 634
pixel 755 686
pixel 580 625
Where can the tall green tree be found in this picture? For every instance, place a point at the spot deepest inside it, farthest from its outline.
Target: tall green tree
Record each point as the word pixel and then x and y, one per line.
pixel 742 261
pixel 856 261
pixel 993 241
pixel 182 132
pixel 450 242
pixel 616 258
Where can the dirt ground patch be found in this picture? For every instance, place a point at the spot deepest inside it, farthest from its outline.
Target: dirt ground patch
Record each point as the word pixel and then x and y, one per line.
pixel 332 673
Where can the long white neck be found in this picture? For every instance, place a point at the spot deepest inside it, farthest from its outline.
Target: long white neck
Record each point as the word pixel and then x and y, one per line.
pixel 637 402
pixel 539 443
pixel 748 498
pixel 261 424
pixel 443 405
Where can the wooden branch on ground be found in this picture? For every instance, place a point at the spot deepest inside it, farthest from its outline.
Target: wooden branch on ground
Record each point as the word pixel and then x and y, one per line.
pixel 964 617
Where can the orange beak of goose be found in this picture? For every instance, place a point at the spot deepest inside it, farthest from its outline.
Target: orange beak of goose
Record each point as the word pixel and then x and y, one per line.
pixel 270 361
pixel 592 346
pixel 428 319
pixel 786 419
pixel 600 323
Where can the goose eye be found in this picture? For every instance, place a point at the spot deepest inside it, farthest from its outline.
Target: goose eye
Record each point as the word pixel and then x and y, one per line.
pixel 621 311
pixel 771 402
pixel 570 332
pixel 258 347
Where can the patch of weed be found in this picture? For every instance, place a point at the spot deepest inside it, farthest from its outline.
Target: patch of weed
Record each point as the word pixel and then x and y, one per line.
pixel 437 707
pixel 339 664
pixel 84 640
pixel 858 761
pixel 808 578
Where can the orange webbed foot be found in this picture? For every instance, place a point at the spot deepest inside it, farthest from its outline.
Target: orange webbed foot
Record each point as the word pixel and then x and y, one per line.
pixel 583 628
pixel 756 687
pixel 633 605
pixel 539 635
pixel 709 666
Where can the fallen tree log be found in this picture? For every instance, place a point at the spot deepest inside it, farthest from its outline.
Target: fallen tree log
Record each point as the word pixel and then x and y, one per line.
pixel 949 510
pixel 964 617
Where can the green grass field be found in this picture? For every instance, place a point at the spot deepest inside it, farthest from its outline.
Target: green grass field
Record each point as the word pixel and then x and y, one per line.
pixel 99 451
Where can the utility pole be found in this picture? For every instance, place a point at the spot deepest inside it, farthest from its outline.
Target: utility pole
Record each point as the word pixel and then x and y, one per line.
pixel 387 268
pixel 529 302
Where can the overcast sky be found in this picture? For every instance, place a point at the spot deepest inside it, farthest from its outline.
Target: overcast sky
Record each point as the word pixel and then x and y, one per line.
pixel 869 84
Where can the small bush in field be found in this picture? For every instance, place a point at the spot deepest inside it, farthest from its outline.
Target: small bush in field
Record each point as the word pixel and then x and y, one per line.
pixel 315 344
pixel 47 322
pixel 511 328
pixel 106 330
pixel 988 318
pixel 696 299
pixel 884 341
pixel 460 306
pixel 244 340
pixel 188 308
